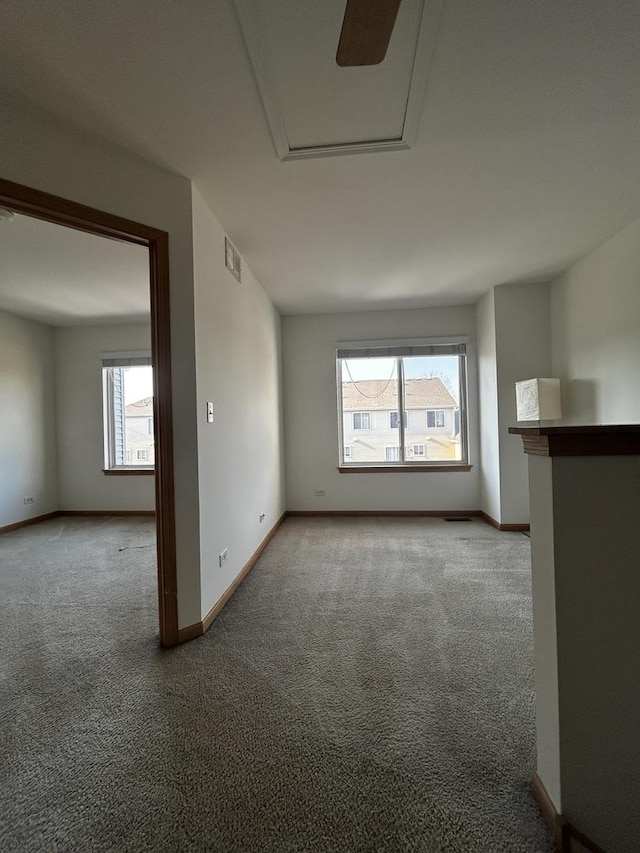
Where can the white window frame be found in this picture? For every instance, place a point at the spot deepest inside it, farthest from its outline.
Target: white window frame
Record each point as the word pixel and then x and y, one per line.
pixel 400 350
pixel 112 361
pixel 418 450
pixel 396 453
pixel 346 451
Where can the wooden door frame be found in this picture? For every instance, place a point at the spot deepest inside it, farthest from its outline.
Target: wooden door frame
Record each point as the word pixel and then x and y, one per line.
pixel 51 208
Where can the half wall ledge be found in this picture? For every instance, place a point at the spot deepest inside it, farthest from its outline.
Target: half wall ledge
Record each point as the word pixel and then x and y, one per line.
pixel 593 440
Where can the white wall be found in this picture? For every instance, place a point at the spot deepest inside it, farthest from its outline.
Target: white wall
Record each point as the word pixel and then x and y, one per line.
pixel 311 423
pixel 82 484
pixel 27 420
pixel 47 155
pixel 488 406
pixel 523 351
pixel 545 628
pixel 238 369
pixel 595 310
pixel 514 343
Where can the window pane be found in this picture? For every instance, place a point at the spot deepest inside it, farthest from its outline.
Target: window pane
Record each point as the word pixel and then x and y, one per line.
pixel 432 401
pixel 369 395
pixel 128 415
pixel 392 454
pixel 138 399
pixel 394 420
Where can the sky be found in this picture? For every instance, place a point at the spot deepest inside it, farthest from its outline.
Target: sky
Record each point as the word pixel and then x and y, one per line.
pixel 138 384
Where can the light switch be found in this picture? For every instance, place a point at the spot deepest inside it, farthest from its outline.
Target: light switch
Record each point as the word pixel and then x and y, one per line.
pixel 209 413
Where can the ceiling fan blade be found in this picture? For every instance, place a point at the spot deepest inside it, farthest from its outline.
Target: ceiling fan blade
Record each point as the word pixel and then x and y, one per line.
pixel 366 30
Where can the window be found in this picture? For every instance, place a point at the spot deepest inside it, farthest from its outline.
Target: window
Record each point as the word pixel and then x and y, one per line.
pixel 427 383
pixel 362 420
pixel 435 419
pixel 394 419
pixel 347 451
pixel 127 381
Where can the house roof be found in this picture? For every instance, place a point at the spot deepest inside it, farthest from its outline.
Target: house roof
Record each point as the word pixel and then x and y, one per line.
pixel 369 394
pixel 140 409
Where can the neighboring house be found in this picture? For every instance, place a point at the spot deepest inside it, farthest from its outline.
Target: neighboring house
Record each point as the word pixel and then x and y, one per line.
pixel 139 422
pixel 370 421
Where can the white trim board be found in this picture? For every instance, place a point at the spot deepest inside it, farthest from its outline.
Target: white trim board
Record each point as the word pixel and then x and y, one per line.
pixel 427 36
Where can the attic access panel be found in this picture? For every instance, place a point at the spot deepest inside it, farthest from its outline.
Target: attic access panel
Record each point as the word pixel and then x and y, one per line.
pixel 317 108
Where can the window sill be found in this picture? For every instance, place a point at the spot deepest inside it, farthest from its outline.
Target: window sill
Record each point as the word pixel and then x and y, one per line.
pixel 120 472
pixel 386 469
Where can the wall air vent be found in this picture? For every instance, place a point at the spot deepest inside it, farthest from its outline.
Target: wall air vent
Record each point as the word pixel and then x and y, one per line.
pixel 232 259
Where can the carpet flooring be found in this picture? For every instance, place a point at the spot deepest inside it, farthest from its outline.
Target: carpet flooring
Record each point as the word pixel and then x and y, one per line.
pixel 368 688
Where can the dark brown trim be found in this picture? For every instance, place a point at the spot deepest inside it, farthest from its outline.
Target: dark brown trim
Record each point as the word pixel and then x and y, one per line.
pixel 163 435
pixel 391 513
pixel 550 816
pixel 401 469
pixel 27 521
pixel 604 440
pixel 508 528
pixel 562 831
pixel 52 208
pixel 568 833
pixel 190 632
pixel 127 472
pixel 80 217
pixel 99 513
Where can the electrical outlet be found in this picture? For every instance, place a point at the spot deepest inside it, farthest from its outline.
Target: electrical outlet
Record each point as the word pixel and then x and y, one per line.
pixel 319 493
pixel 262 517
pixel 222 556
pixel 30 500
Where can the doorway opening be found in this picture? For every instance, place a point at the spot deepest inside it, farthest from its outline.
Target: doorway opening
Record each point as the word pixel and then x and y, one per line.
pixel 157 415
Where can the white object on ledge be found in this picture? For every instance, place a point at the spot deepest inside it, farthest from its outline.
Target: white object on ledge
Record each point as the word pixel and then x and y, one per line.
pixel 538 400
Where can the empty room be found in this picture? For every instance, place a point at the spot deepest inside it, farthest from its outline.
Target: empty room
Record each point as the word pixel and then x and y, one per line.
pixel 319 425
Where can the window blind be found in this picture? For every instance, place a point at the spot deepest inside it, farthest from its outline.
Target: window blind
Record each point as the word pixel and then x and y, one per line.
pixel 397 351
pixel 126 359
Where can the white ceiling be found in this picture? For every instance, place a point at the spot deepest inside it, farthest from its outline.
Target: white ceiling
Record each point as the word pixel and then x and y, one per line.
pixel 295 69
pixel 62 277
pixel 526 155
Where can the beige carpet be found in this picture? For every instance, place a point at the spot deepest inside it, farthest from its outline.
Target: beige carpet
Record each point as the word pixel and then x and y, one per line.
pixel 368 688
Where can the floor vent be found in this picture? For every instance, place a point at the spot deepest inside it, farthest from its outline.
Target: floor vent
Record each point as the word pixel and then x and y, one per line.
pixel 457 518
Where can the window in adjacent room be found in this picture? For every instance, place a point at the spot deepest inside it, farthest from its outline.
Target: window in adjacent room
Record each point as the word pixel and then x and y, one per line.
pixel 427 383
pixel 127 381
